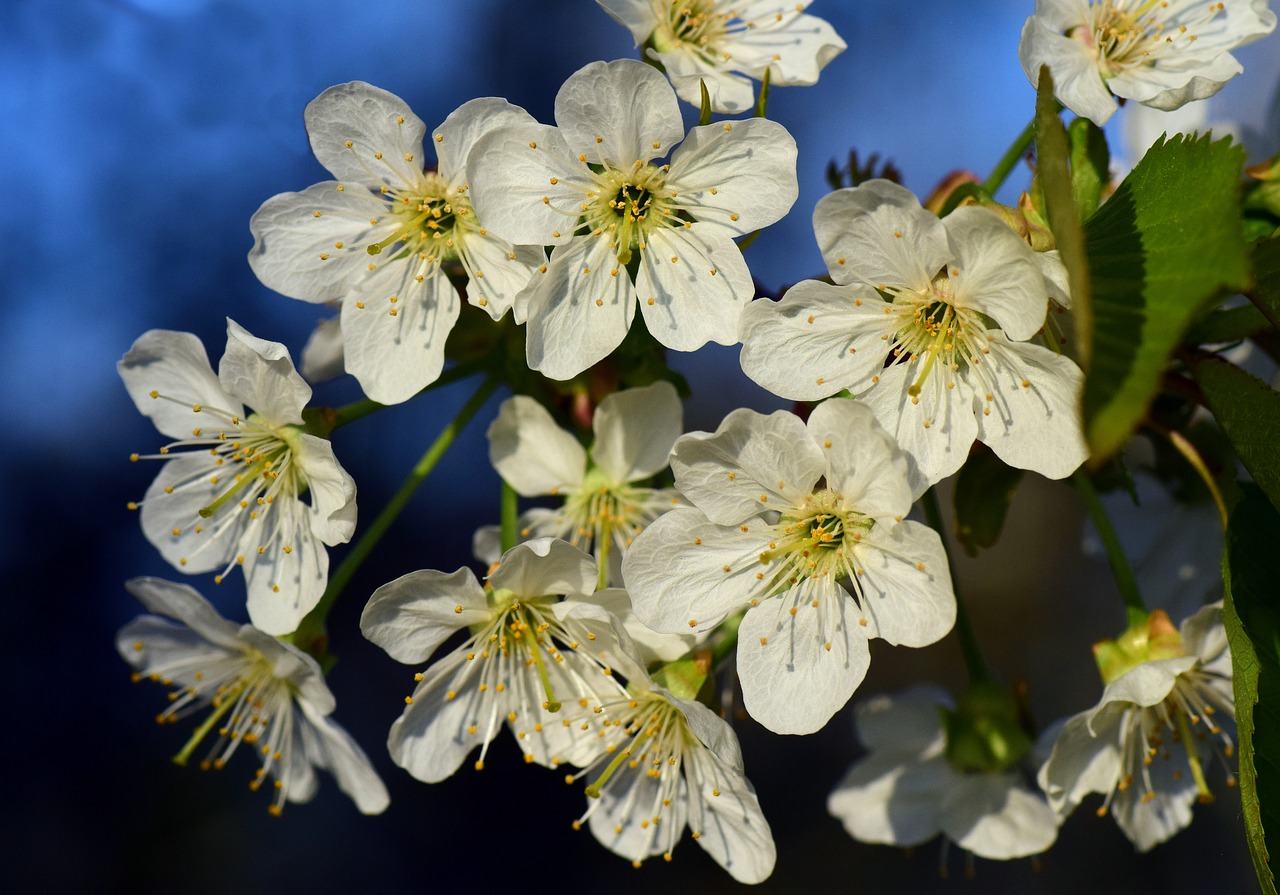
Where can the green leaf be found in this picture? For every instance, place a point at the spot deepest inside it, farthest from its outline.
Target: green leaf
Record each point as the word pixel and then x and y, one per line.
pixel 1248 410
pixel 1252 618
pixel 1090 165
pixel 1228 325
pixel 1163 246
pixel 1054 177
pixel 984 489
pixel 1265 257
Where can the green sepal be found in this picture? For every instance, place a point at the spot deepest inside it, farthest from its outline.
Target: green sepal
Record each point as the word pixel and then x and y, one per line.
pixel 984 731
pixel 683 677
pixel 704 116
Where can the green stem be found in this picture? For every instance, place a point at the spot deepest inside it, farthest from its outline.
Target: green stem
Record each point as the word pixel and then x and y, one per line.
pixel 1135 608
pixel 1010 159
pixel 349 413
pixel 973 660
pixel 726 638
pixel 510 518
pixel 311 635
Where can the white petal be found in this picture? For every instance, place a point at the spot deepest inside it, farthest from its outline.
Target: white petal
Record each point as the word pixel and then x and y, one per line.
pixel 333 491
pixel 533 454
pixel 885 800
pixel 905 584
pixel 172 504
pixel 1168 88
pixel 815 341
pixel 995 272
pixel 795 52
pixel 692 286
pixel 1082 762
pixel 322 355
pixel 458 135
pixel 1146 685
pixel 737 176
pixel 174 365
pixel 512 169
pixel 996 817
pixel 285 584
pixel 334 749
pixel 622 823
pixel 496 277
pixel 431 738
pixel 1035 411
pixel 635 430
pixel 750 459
pixel 545 566
pixel 1157 820
pixel 728 92
pixel 796 673
pixel 577 318
pixel 154 645
pixel 185 604
pixel 262 374
pixel 864 462
pixel 877 233
pixel 296 238
pixel 675 571
pixel 1077 83
pixel 907 723
pixel 637 16
pixel 411 616
pixel 618 113
pixel 394 357
pixel 376 123
pixel 939 449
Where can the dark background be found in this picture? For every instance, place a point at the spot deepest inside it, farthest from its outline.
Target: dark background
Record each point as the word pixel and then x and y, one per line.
pixel 138 138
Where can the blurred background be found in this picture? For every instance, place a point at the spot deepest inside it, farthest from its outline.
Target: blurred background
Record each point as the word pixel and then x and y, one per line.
pixel 138 138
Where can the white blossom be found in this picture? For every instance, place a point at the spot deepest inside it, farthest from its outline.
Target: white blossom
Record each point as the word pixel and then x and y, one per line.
pixel 927 322
pixel 382 237
pixel 603 508
pixel 803 527
pixel 263 694
pixel 726 44
pixel 624 224
pixel 1160 54
pixel 905 791
pixel 1146 744
pixel 519 664
pixel 663 762
pixel 230 492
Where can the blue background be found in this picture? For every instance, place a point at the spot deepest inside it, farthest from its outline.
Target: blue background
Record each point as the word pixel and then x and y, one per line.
pixel 138 138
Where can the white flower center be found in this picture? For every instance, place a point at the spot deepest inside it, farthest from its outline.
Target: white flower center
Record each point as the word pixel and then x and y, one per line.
pixel 430 218
pixel 250 705
pixel 1127 33
pixel 815 540
pixel 251 464
pixel 629 205
pixel 1148 735
pixel 653 739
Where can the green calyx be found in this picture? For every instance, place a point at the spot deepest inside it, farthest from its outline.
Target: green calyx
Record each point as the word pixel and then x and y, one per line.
pixel 984 731
pixel 1146 640
pixel 682 678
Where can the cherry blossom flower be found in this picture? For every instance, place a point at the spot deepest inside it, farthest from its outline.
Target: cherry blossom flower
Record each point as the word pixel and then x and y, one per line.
pixel 230 493
pixel 906 790
pixel 1145 745
pixel 725 45
pixel 662 761
pixel 263 694
pixel 382 236
pixel 802 526
pixel 603 508
pixel 928 323
pixel 1160 54
pixel 519 664
pixel 624 224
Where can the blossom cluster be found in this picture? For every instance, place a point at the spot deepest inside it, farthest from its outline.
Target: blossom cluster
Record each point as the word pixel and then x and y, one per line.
pixel 650 562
